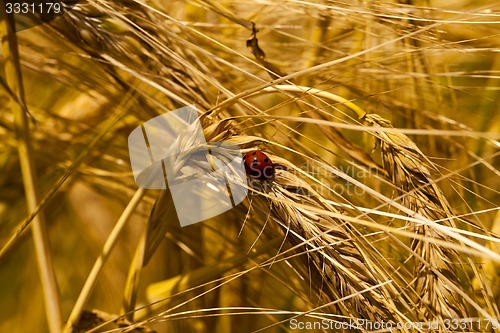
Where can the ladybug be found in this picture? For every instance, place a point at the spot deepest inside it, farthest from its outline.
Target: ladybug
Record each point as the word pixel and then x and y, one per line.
pixel 258 165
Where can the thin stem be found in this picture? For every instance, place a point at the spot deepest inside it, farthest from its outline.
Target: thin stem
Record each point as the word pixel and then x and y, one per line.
pixel 99 264
pixel 320 93
pixel 132 284
pixel 13 80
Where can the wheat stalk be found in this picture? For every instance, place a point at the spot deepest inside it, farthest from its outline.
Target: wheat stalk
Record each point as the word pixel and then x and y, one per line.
pixel 14 83
pixel 409 169
pixel 313 253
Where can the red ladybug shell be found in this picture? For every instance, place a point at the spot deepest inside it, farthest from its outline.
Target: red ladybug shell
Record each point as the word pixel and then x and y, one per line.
pixel 258 165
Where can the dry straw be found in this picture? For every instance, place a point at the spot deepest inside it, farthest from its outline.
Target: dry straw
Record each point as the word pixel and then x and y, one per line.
pixel 353 236
pixel 436 268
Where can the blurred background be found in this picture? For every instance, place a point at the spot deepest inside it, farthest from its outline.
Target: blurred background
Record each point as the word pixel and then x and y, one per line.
pixel 94 74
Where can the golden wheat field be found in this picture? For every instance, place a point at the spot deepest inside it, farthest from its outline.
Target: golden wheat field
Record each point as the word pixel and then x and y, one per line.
pixel 378 120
